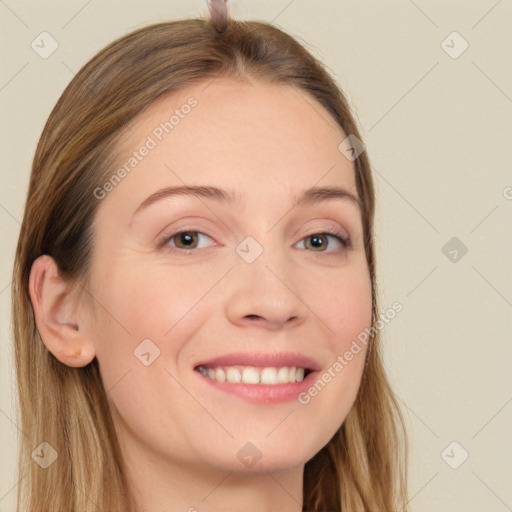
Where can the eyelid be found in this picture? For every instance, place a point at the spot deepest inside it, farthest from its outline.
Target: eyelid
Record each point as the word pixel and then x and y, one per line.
pixel 343 239
pixel 331 229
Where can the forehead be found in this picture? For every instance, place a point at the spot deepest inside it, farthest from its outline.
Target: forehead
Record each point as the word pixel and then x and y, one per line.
pixel 257 138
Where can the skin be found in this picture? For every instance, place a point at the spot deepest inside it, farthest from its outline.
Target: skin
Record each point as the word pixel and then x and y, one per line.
pixel 179 436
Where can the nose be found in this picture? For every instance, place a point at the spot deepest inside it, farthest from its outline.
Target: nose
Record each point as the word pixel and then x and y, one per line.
pixel 264 294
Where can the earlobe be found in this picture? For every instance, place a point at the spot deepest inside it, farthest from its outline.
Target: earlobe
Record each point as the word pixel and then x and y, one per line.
pixel 59 318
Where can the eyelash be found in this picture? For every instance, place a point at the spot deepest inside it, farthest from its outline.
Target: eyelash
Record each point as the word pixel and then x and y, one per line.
pixel 344 240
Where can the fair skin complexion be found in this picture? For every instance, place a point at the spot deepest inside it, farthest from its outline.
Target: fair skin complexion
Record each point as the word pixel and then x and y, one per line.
pixel 179 435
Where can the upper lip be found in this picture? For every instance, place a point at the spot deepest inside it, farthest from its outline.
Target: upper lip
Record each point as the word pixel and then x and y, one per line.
pixel 260 359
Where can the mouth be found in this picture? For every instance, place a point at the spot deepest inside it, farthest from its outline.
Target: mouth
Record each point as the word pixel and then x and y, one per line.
pixel 263 378
pixel 268 375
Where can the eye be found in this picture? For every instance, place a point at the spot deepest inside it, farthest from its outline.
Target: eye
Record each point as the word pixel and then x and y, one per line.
pixel 319 242
pixel 185 240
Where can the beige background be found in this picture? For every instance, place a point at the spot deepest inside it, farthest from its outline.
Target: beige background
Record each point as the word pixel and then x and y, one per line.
pixel 439 134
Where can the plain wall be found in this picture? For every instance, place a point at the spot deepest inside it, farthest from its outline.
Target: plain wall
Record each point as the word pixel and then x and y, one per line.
pixel 438 131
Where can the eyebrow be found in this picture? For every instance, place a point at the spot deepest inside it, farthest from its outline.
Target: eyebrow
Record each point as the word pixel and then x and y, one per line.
pixel 316 195
pixel 311 196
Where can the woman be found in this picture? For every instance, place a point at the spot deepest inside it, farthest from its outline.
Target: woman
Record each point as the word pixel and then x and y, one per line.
pixel 194 268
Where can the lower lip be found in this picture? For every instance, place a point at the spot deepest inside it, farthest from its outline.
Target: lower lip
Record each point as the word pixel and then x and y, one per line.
pixel 263 393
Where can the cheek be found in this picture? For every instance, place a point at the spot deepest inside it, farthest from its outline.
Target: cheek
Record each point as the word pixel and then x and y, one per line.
pixel 146 301
pixel 346 307
pixel 137 302
pixel 143 316
pixel 355 315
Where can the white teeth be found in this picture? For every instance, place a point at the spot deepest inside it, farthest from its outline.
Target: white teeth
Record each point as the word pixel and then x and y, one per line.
pixel 283 375
pixel 254 375
pixel 269 376
pixel 233 375
pixel 250 376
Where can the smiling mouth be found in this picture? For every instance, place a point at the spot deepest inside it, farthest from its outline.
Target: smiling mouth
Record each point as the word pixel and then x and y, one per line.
pixel 268 375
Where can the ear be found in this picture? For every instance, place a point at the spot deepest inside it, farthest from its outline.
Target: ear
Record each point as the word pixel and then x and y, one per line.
pixel 59 313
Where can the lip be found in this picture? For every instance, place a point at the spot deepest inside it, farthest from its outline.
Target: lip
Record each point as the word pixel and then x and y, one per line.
pixel 262 393
pixel 273 360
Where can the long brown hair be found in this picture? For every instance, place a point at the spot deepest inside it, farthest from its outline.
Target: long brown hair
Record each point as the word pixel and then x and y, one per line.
pixel 363 468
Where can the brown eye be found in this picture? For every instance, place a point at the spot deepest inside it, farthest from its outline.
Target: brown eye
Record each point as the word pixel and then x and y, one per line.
pixel 185 240
pixel 319 242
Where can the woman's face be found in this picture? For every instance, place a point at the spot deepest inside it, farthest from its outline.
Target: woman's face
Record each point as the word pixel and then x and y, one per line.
pixel 249 283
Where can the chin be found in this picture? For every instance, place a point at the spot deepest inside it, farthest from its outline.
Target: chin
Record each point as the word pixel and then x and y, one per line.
pixel 255 459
